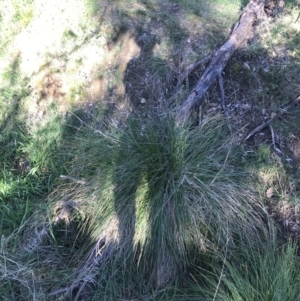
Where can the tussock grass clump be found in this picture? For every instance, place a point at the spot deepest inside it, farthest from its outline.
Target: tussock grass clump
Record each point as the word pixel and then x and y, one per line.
pixel 159 195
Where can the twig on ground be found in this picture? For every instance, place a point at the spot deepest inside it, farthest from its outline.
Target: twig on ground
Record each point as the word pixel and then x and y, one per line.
pixel 259 128
pixel 242 32
pixel 82 182
pixel 273 136
pixel 191 69
pixel 200 114
pixel 265 124
pixel 61 290
pixel 274 141
pixel 221 84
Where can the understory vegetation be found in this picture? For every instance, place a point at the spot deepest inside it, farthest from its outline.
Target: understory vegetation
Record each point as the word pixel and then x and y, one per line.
pixel 104 195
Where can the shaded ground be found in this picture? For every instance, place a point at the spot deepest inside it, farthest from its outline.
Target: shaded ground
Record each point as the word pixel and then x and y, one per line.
pixel 126 59
pixel 260 81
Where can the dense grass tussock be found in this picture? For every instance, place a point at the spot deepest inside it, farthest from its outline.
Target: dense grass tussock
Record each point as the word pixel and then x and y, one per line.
pixel 157 197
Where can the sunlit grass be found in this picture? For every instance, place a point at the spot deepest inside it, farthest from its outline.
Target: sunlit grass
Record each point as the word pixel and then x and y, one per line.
pixel 269 273
pixel 264 269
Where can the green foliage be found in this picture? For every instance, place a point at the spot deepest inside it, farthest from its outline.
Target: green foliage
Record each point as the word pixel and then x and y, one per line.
pixel 13 214
pixel 174 30
pixel 147 210
pixel 260 270
pixel 29 165
pixel 171 189
pixel 269 273
pixel 23 11
pixel 42 144
pixel 262 157
pixel 16 12
pixel 12 73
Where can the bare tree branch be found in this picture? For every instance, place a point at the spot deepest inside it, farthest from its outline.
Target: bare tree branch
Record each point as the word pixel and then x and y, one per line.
pixel 266 123
pixel 241 32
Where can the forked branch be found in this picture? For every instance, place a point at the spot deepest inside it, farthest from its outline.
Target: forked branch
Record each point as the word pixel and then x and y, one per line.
pixel 241 32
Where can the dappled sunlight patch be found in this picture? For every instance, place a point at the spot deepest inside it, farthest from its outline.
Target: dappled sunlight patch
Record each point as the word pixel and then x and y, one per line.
pixel 268 175
pixel 129 50
pixel 97 88
pixel 44 31
pixel 69 66
pixel 72 58
pixel 278 35
pixel 59 71
pixel 142 220
pixel 278 190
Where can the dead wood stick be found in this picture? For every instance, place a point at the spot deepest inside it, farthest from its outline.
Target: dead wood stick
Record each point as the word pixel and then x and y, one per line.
pixel 274 140
pixel 241 32
pixel 221 84
pixel 259 128
pixel 82 182
pixel 265 124
pixel 191 69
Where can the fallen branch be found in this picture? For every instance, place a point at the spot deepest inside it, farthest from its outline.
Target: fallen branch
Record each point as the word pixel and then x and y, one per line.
pixel 191 69
pixel 82 182
pixel 223 102
pixel 274 140
pixel 265 124
pixel 241 32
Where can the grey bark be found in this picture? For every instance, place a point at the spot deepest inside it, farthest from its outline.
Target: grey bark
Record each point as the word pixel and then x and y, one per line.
pixel 241 32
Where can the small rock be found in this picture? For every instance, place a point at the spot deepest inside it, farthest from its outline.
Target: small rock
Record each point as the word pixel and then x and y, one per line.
pixel 269 193
pixel 143 101
pixel 41 113
pixel 246 66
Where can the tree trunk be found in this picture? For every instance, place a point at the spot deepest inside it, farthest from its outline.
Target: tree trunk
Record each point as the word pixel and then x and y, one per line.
pixel 241 32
